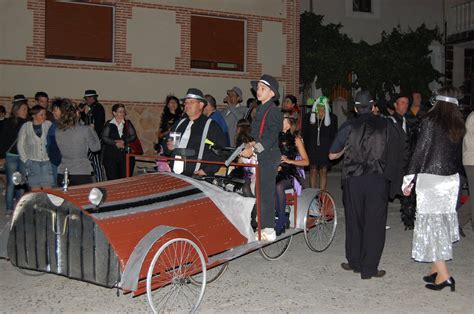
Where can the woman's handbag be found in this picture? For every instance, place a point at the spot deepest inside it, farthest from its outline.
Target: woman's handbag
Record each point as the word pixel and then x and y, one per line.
pixel 135 146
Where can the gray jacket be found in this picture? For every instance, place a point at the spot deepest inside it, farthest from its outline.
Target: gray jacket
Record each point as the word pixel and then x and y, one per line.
pixel 74 143
pixel 232 115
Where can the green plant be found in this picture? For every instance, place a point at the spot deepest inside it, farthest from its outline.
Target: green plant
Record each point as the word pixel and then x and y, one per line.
pixel 401 59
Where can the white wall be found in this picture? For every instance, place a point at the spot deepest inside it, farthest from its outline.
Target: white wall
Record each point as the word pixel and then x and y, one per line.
pixel 387 15
pixel 119 86
pixel 16 29
pixel 161 45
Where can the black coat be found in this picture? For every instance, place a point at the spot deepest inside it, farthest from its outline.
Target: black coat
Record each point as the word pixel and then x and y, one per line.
pixel 214 134
pixel 96 116
pixel 110 135
pixel 9 135
pixel 271 129
pixel 435 153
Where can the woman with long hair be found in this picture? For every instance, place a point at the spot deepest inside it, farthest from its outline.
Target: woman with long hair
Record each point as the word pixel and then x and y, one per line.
pixel 118 134
pixel 434 172
pixel 171 114
pixel 9 153
pixel 293 158
pixel 74 141
pixel 32 148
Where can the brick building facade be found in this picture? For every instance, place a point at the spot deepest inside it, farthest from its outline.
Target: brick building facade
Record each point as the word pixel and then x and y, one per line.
pixel 151 53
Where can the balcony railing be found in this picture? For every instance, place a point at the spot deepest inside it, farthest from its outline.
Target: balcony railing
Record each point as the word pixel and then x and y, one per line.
pixel 460 18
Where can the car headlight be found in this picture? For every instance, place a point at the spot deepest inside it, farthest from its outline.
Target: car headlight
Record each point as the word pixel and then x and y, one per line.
pixel 97 196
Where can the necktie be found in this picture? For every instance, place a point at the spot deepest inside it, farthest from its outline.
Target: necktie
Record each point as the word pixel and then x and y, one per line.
pixel 404 125
pixel 178 166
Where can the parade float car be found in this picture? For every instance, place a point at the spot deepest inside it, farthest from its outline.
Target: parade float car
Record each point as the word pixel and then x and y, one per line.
pixel 162 234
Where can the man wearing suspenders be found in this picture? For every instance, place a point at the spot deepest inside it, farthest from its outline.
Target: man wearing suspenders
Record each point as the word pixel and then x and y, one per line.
pixel 195 128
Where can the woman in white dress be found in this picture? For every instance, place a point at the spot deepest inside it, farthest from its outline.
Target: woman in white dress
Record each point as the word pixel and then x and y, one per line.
pixel 433 171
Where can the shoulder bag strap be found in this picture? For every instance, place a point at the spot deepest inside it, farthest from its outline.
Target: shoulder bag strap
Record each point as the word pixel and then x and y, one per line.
pixel 12 145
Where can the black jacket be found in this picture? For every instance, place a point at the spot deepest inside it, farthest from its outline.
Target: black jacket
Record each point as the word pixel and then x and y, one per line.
pixel 215 135
pixel 96 116
pixel 271 129
pixel 9 135
pixel 110 135
pixel 435 153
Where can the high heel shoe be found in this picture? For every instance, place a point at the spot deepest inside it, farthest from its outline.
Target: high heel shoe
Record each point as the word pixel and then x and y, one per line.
pixel 447 283
pixel 430 278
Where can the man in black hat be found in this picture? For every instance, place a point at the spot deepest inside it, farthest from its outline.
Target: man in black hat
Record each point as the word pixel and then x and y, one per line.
pixel 371 146
pixel 265 130
pixel 198 132
pixel 95 116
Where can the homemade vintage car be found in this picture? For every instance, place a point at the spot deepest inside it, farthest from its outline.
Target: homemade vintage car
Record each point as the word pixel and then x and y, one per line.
pixel 162 234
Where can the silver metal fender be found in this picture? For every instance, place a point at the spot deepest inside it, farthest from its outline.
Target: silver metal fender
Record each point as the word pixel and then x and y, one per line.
pixel 131 272
pixel 4 233
pixel 304 200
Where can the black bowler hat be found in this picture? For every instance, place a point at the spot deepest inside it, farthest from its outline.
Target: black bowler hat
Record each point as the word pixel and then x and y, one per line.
pixel 270 81
pixel 19 98
pixel 90 93
pixel 363 98
pixel 195 93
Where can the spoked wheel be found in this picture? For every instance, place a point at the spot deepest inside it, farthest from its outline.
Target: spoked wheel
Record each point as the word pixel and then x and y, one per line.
pixel 211 275
pixel 320 222
pixel 276 250
pixel 170 271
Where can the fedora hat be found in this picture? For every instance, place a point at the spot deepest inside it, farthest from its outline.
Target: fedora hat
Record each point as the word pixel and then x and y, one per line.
pixel 270 81
pixel 19 98
pixel 363 98
pixel 195 93
pixel 236 90
pixel 90 93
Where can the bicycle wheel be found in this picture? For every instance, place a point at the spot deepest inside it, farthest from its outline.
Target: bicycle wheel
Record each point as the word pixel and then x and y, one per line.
pixel 211 275
pixel 320 222
pixel 170 271
pixel 276 250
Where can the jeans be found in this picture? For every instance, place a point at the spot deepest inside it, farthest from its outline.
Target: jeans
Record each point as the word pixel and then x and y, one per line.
pixel 13 163
pixel 54 170
pixel 39 173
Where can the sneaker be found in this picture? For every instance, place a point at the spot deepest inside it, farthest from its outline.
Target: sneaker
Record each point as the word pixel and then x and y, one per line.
pixel 387 227
pixel 268 234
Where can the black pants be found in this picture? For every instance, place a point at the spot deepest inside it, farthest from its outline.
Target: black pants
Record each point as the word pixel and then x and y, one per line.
pixel 365 204
pixel 267 167
pixel 115 166
pixel 75 179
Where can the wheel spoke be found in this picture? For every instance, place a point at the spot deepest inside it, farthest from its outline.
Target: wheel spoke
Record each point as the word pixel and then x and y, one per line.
pixel 178 258
pixel 320 230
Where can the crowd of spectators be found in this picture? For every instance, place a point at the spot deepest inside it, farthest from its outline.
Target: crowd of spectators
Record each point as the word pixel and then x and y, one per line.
pixel 41 142
pixel 409 146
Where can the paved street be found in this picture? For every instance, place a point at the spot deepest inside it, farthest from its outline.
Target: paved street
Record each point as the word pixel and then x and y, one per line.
pixel 301 281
